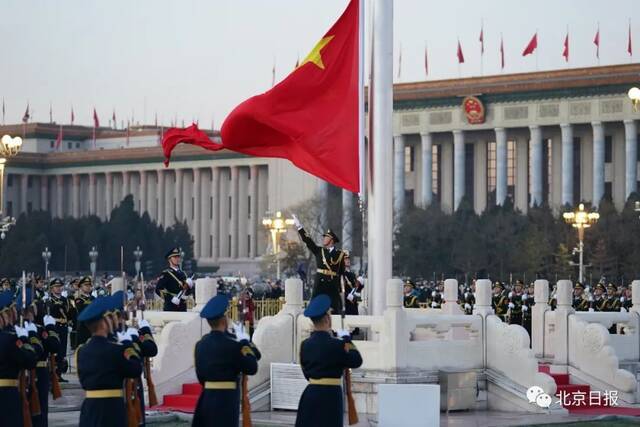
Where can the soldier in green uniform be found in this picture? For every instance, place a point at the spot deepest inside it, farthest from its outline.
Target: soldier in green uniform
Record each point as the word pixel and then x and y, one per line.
pixel 173 285
pixel 613 300
pixel 599 302
pixel 62 311
pixel 516 303
pixel 323 359
pixel 580 300
pixel 500 301
pixel 410 299
pixel 329 263
pixel 82 300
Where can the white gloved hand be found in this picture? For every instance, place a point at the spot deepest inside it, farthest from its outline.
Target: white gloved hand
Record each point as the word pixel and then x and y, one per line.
pixel 524 297
pixel 123 336
pixel 621 299
pixel 46 297
pixel 434 304
pixel 511 294
pixel 525 308
pixel 240 333
pixel 175 300
pixel 343 333
pixel 466 295
pixel 591 310
pixel 511 305
pixel 296 221
pixel 132 332
pixel 49 320
pixel 94 294
pixel 190 282
pixel 64 293
pixel 433 294
pixel 467 306
pixel 30 327
pixel 21 332
pixel 144 324
pixel 350 297
pixel 590 298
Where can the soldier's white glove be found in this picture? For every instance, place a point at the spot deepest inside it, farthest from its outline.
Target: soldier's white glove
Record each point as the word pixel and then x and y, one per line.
pixel 240 333
pixel 466 295
pixel 132 332
pixel 434 304
pixel 511 294
pixel 46 297
pixel 190 282
pixel 467 306
pixel 525 308
pixel 511 305
pixel 30 327
pixel 144 324
pixel 590 298
pixel 591 310
pixel 124 336
pixel 49 320
pixel 433 294
pixel 296 221
pixel 175 300
pixel 621 299
pixel 342 333
pixel 94 294
pixel 524 297
pixel 350 297
pixel 64 293
pixel 21 332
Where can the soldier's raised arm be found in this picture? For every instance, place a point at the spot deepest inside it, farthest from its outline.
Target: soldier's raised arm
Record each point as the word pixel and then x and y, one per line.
pixel 315 249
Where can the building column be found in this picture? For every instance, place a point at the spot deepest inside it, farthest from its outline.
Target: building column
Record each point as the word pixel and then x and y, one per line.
pixel 566 131
pixel 522 175
pixel 233 192
pixel 598 162
pixel 631 156
pixel 458 168
pixel 243 212
pixel 187 195
pixel 75 206
pixel 179 195
pixel 253 193
pixel 143 192
pixel 126 185
pixel 426 143
pixel 398 177
pixel 44 192
pixel 160 194
pixel 92 194
pixel 24 184
pixel 501 166
pixel 225 218
pixel 108 194
pixel 347 220
pixel 536 165
pixel 263 206
pixel 197 203
pixel 215 212
pixel 59 196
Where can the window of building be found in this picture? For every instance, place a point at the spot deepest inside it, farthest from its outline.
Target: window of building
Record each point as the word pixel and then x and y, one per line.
pixel 29 207
pixel 435 169
pixel 549 169
pixel 608 191
pixel 77 145
pixel 193 207
pixel 409 158
pixel 408 198
pixel 52 144
pixel 511 169
pixel 608 149
pixel 10 208
pixel 69 145
pixel 9 180
pixel 211 207
pixel 248 244
pixel 249 207
pixel 29 181
pixel 175 206
pixel 229 246
pixel 210 245
pixel 229 207
pixel 491 168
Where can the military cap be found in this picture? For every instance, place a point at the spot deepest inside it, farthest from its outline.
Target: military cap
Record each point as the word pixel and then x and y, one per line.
pixel 347 254
pixel 55 282
pixel 215 308
pixel 600 286
pixel 331 234
pixel 172 252
pixel 95 309
pixel 611 285
pixel 318 306
pixel 86 280
pixel 578 286
pixel 498 285
pixel 408 282
pixel 519 282
pixel 6 298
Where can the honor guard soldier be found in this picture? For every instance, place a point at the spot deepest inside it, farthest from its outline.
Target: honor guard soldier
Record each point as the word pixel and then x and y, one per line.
pixel 410 300
pixel 499 301
pixel 103 365
pixel 352 287
pixel 580 300
pixel 329 263
pixel 220 359
pixel 173 285
pixel 613 300
pixel 16 355
pixel 323 359
pixel 516 302
pixel 61 310
pixel 599 302
pixel 82 300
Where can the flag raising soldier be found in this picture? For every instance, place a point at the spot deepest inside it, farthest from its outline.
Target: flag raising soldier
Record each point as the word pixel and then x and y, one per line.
pixel 174 285
pixel 329 262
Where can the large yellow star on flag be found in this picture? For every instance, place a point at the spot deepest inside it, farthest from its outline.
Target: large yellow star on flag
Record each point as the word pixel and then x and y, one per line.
pixel 315 56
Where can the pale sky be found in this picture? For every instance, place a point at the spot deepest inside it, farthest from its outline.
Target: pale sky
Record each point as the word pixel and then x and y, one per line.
pixel 197 59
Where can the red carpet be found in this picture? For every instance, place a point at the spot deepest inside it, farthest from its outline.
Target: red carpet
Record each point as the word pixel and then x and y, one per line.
pixel 578 399
pixel 184 402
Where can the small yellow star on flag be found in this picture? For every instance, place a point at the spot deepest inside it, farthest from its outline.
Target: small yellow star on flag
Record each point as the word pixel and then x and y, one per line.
pixel 315 56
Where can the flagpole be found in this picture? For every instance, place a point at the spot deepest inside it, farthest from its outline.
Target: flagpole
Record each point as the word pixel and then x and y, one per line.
pixel 482 47
pixel 537 49
pixel 598 46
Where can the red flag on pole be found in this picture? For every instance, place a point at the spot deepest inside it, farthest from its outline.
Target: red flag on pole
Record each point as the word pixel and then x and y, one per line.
pixel 59 139
pixel 596 41
pixel 629 47
pixel 26 116
pixel 50 113
pixel 501 53
pixel 481 40
pixel 96 122
pixel 565 51
pixel 113 117
pixel 426 61
pixel 311 117
pixel 73 116
pixel 531 46
pixel 459 53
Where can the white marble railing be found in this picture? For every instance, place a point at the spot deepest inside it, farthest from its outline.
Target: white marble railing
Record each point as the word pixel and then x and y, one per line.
pixel 626 342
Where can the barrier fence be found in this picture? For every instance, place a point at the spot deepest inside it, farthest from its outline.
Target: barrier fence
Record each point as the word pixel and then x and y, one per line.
pixel 263 307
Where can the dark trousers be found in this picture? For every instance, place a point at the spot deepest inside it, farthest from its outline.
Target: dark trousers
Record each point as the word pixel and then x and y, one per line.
pixel 61 356
pixel 11 407
pixel 42 381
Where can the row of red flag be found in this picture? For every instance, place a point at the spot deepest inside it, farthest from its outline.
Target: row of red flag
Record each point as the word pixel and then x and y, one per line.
pixel 529 49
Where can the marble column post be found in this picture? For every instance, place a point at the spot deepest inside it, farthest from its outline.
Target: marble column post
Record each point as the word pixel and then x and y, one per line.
pixel 59 196
pixel 160 194
pixel 179 196
pixel 631 156
pixel 253 221
pixel 398 177
pixel 44 192
pixel 197 203
pixel 347 220
pixel 92 194
pixel 215 212
pixel 143 192
pixel 501 166
pixel 233 192
pixel 24 184
pixel 108 194
pixel 75 206
pixel 536 165
pixel 427 172
pixel 522 174
pixel 598 162
pixel 458 168
pixel 567 163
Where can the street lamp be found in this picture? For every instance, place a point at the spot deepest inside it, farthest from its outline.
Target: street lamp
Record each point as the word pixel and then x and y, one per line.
pixel 93 256
pixel 634 96
pixel 581 219
pixel 276 226
pixel 9 147
pixel 138 255
pixel 46 256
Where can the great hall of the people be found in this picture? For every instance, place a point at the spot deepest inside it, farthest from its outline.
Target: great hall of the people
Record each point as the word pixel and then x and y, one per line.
pixel 553 137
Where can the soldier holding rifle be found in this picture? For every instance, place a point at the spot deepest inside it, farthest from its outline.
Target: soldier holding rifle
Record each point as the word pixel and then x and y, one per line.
pixel 174 285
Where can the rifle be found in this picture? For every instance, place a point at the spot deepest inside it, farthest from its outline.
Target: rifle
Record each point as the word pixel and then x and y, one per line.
pixel 351 406
pixel 22 378
pixel 56 391
pixel 246 405
pixel 134 414
pixel 151 388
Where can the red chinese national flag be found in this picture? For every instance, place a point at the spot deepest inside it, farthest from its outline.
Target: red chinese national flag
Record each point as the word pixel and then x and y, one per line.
pixel 565 50
pixel 459 53
pixel 310 118
pixel 533 44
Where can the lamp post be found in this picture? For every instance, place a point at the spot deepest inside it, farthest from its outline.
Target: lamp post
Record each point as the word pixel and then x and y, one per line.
pixel 581 220
pixel 9 147
pixel 137 255
pixel 93 256
pixel 276 225
pixel 46 256
pixel 634 96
